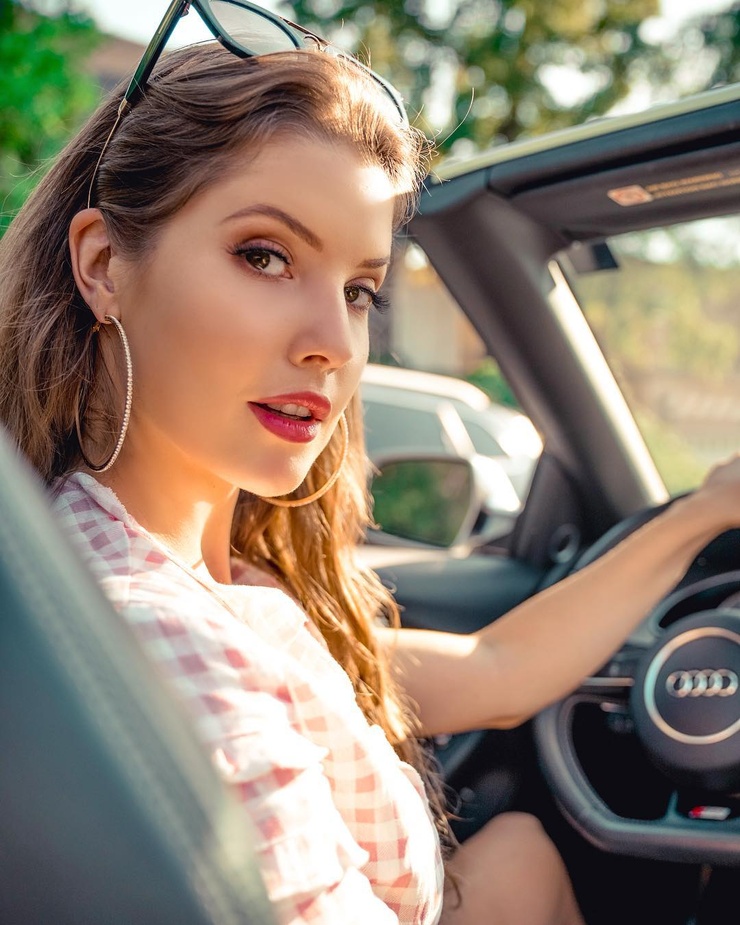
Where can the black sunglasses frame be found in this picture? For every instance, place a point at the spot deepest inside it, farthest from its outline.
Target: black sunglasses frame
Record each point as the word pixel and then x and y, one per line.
pixel 180 8
pixel 296 35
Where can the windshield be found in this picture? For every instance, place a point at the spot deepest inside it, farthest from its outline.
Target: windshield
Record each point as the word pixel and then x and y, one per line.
pixel 668 321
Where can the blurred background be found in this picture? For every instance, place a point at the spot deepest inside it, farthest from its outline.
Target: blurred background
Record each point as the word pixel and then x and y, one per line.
pixel 475 74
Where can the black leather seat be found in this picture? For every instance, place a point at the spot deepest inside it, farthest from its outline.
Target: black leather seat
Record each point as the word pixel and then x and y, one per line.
pixel 110 811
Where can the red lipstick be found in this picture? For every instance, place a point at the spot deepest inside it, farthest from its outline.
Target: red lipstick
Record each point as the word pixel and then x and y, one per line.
pixel 295 417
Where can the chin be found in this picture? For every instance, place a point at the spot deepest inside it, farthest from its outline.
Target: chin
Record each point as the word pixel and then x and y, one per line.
pixel 271 488
pixel 272 478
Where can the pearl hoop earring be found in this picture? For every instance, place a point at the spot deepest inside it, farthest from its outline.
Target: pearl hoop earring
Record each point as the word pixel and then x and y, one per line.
pixel 320 492
pixel 104 466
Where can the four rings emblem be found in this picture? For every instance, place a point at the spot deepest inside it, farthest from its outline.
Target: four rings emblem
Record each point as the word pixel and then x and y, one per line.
pixel 704 682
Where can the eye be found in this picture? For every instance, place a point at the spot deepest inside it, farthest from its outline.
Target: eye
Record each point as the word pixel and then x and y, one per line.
pixel 267 261
pixel 363 298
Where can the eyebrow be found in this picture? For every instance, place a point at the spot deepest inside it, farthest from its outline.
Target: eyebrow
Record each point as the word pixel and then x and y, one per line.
pixel 286 218
pixel 375 263
pixel 299 229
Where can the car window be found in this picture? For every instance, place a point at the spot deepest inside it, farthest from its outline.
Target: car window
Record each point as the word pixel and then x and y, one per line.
pixel 483 440
pixel 668 320
pixel 391 427
pixel 427 330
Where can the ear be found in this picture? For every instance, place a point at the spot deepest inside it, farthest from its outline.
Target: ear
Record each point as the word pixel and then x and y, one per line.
pixel 89 248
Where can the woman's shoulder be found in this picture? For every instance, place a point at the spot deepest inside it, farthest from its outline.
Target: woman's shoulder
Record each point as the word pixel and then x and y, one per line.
pixel 142 579
pixel 99 526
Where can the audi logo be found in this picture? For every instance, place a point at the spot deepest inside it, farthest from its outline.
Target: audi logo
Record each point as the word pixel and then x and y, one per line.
pixel 704 682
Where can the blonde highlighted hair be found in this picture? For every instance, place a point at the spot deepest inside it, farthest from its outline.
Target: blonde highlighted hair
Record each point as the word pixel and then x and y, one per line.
pixel 202 110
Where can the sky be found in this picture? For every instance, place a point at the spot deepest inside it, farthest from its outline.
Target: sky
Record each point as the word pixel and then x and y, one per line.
pixel 138 19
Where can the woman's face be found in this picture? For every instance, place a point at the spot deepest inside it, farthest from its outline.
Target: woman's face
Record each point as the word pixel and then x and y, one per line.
pixel 248 322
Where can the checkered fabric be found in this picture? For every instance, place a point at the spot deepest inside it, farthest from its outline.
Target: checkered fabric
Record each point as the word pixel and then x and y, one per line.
pixel 342 826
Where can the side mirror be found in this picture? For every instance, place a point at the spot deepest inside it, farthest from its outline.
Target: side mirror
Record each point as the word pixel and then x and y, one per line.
pixel 429 500
pixel 440 501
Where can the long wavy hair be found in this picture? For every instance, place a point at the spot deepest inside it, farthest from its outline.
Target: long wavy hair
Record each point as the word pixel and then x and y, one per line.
pixel 204 109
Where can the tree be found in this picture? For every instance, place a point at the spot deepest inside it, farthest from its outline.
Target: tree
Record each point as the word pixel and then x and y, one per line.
pixel 487 70
pixel 668 321
pixel 704 53
pixel 44 89
pixel 720 35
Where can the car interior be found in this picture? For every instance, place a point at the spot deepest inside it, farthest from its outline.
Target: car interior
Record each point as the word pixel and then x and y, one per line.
pixel 112 814
pixel 641 821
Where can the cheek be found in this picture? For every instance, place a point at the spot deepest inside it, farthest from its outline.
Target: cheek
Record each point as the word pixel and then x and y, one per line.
pixel 188 307
pixel 360 348
pixel 361 355
pixel 192 342
pixel 351 375
pixel 201 337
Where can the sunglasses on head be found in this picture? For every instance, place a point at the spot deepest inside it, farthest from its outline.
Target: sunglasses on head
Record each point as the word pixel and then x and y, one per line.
pixel 243 29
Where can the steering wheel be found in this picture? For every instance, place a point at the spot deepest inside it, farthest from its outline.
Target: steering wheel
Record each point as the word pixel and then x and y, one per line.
pixel 680 686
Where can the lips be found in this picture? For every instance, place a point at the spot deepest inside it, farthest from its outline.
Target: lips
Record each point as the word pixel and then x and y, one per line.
pixel 295 417
pixel 298 412
pixel 298 404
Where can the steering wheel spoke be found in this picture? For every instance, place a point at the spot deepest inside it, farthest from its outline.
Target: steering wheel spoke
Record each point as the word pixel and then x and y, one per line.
pixel 615 680
pixel 691 736
pixel 675 836
pixel 677 687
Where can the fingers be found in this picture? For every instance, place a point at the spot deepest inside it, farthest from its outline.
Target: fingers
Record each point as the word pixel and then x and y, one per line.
pixel 725 472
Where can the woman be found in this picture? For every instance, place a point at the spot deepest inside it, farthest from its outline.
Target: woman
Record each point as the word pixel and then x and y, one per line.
pixel 185 304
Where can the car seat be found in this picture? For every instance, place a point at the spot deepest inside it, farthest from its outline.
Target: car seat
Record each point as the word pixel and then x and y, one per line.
pixel 110 811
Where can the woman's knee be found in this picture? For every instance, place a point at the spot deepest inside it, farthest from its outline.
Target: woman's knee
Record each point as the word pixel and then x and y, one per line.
pixel 512 842
pixel 515 824
pixel 519 832
pixel 511 872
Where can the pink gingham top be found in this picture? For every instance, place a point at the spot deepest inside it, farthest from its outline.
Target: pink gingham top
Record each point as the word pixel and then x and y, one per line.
pixel 343 830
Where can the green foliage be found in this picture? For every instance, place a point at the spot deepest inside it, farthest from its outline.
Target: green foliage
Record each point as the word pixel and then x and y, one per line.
pixel 666 316
pixel 487 376
pixel 668 322
pixel 486 71
pixel 45 93
pixel 503 60
pixel 674 458
pixel 704 53
pixel 423 501
pixel 720 34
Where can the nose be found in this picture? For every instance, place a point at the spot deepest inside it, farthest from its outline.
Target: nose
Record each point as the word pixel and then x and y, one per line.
pixel 328 335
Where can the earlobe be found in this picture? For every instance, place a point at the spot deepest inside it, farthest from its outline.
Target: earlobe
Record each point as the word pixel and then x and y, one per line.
pixel 89 248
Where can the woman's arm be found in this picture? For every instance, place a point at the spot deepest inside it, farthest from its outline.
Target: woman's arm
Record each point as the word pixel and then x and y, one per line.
pixel 538 652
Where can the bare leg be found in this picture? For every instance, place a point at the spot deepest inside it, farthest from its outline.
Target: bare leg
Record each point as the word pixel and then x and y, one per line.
pixel 510 873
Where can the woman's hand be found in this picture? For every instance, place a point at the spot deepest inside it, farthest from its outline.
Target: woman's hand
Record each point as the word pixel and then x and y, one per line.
pixel 715 506
pixel 566 632
pixel 724 474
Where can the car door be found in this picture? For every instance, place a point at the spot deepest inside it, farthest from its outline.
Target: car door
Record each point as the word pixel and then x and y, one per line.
pixel 506 241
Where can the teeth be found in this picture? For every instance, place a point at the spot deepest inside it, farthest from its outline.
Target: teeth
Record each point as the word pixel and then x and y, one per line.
pixel 297 411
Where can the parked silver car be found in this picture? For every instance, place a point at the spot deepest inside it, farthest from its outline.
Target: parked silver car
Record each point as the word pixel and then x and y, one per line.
pixel 406 409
